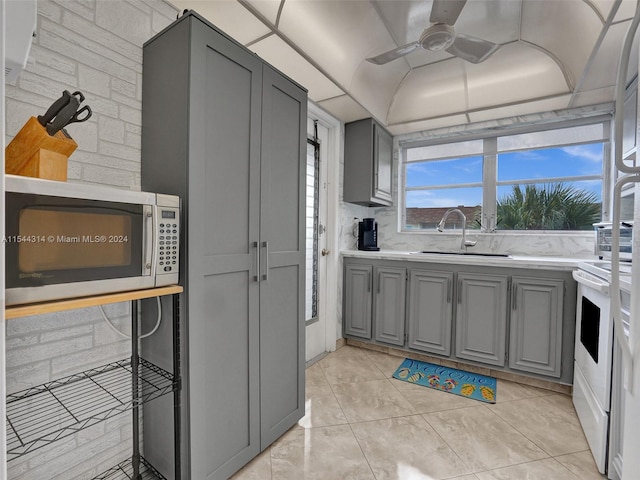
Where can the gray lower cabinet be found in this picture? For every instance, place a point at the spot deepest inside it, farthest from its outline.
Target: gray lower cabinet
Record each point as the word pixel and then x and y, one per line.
pixel 536 325
pixel 430 311
pixel 357 300
pixel 390 301
pixel 520 320
pixel 227 133
pixel 481 318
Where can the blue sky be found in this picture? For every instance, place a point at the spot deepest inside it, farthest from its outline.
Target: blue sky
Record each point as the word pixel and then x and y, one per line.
pixel 523 165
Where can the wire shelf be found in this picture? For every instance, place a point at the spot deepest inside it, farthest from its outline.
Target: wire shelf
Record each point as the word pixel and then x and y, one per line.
pixel 43 414
pixel 124 471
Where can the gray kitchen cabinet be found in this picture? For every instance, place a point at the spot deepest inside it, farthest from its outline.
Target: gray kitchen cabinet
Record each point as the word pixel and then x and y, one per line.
pixel 368 156
pixel 227 133
pixel 390 301
pixel 535 343
pixel 430 311
pixel 481 317
pixel 357 300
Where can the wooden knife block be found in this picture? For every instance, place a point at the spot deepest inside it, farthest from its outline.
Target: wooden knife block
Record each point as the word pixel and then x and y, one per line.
pixel 35 153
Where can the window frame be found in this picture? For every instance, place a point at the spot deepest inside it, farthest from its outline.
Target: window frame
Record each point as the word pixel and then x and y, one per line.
pixel 490 181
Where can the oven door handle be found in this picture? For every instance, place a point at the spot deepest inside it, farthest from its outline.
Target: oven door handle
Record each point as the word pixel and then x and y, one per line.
pixel 589 281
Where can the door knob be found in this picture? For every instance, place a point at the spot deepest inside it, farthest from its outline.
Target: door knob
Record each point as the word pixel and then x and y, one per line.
pixel 325 252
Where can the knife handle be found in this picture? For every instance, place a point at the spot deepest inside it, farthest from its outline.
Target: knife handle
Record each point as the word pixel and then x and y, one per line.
pixel 63 117
pixel 55 107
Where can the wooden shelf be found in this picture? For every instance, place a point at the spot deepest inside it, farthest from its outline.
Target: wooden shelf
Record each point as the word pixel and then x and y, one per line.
pixel 83 302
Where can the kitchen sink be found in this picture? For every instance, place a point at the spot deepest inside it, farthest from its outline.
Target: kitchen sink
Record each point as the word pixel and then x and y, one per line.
pixel 475 254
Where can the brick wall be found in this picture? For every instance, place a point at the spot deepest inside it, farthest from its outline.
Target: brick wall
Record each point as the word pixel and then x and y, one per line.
pixel 94 46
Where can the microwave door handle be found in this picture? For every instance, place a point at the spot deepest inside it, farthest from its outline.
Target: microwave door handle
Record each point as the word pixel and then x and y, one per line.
pixel 149 233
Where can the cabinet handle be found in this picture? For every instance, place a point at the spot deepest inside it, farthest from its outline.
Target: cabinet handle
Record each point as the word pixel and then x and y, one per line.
pixel 379 280
pixel 256 277
pixel 514 296
pixel 459 295
pixel 265 275
pixel 448 290
pixel 368 281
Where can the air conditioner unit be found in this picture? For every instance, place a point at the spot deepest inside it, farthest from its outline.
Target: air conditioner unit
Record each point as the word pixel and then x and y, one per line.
pixel 20 26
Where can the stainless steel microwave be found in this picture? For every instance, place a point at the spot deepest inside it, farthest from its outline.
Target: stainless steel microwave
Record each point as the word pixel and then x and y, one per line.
pixel 70 240
pixel 604 239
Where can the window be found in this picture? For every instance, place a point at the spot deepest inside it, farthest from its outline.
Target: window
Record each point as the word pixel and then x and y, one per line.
pixel 538 180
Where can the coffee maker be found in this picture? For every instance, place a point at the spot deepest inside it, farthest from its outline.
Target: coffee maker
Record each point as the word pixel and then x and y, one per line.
pixel 368 235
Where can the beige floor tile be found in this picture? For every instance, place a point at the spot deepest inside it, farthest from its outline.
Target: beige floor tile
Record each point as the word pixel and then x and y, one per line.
pixel 547 469
pixel 321 408
pixel 427 400
pixel 349 364
pixel 407 448
pixel 315 376
pixel 482 439
pixel 258 469
pixel 372 400
pixel 319 453
pixel 509 391
pixel 550 422
pixel 387 364
pixel 582 465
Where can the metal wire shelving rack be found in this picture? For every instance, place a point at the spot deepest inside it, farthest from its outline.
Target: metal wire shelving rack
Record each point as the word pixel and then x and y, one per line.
pixel 43 414
pixel 46 413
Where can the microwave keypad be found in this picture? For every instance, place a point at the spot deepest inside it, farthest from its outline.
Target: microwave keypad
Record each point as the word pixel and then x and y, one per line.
pixel 168 241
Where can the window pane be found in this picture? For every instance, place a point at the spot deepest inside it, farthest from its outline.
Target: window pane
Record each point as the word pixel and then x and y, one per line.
pixel 444 172
pixel 570 161
pixel 425 208
pixel 551 206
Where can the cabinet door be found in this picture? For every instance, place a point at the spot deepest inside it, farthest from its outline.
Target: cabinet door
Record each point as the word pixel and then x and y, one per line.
pixel 282 255
pixel 390 304
pixel 223 218
pixel 357 300
pixel 536 325
pixel 382 160
pixel 481 318
pixel 430 312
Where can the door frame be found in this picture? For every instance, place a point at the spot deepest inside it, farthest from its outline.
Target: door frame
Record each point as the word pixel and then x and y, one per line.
pixel 329 294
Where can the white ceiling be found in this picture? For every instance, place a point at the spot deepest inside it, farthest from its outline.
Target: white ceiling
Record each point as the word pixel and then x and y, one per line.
pixel 555 54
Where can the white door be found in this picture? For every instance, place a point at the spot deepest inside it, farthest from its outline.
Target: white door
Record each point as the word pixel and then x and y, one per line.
pixel 317 251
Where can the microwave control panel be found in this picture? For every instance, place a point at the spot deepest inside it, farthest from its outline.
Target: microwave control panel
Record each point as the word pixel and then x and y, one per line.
pixel 168 235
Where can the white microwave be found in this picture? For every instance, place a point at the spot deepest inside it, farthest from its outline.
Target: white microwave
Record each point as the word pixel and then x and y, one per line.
pixel 70 240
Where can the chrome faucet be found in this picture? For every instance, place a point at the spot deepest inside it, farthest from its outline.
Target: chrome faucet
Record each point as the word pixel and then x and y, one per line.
pixel 465 243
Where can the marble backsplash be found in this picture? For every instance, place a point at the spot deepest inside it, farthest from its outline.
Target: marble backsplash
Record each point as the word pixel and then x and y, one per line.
pixel 555 244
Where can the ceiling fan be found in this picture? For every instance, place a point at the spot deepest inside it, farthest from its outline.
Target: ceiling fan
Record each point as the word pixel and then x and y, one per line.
pixel 442 36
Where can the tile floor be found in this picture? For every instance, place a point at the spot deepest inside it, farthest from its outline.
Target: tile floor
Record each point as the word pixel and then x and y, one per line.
pixel 361 424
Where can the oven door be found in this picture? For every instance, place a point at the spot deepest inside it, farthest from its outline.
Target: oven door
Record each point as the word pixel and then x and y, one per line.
pixel 594 335
pixel 58 247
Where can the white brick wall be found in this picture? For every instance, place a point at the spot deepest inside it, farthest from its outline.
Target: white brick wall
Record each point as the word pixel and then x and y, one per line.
pixel 94 46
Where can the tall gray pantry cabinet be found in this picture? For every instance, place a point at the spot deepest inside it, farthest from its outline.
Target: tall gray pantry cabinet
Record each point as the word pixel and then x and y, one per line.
pixel 227 132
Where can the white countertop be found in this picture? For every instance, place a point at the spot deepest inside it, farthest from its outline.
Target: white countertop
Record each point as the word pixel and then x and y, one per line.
pixel 514 261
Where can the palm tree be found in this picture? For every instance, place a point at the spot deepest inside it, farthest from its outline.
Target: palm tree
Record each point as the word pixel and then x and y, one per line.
pixel 550 207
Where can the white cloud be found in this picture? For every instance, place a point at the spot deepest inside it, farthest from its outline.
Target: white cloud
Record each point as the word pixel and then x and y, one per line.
pixel 586 152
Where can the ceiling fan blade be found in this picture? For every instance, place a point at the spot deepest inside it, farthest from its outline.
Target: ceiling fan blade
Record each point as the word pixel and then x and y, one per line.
pixel 472 49
pixel 386 57
pixel 446 11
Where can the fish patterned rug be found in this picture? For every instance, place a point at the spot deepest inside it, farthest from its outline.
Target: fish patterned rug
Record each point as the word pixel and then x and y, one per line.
pixel 450 380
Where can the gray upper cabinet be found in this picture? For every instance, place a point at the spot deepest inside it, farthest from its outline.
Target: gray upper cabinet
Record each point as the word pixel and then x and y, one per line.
pixel 481 318
pixel 368 156
pixel 357 300
pixel 430 311
pixel 390 301
pixel 536 325
pixel 227 133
